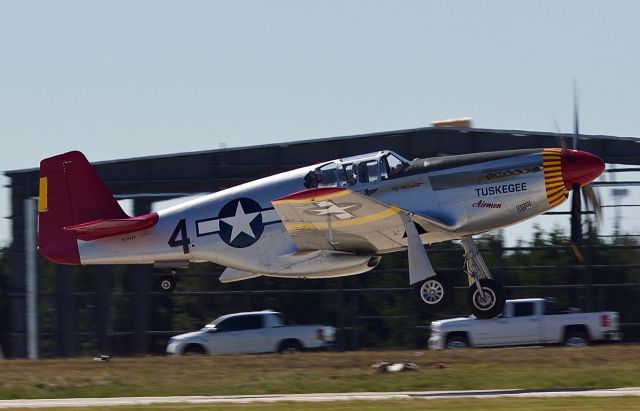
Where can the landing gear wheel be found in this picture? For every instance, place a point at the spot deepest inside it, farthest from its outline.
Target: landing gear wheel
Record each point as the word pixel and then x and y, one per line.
pixel 493 302
pixel 167 284
pixel 435 292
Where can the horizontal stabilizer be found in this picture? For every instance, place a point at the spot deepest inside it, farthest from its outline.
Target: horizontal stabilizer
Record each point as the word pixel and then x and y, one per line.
pixel 96 229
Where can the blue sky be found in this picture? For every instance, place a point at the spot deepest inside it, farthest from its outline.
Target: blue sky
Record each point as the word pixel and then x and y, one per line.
pixel 122 79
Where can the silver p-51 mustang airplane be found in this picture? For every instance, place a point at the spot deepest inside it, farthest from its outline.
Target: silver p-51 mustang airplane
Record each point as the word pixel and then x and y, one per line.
pixel 326 220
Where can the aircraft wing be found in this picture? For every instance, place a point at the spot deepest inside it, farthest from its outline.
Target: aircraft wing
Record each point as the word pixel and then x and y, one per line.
pixel 340 219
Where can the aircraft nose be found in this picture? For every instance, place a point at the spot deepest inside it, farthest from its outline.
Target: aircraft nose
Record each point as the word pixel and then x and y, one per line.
pixel 580 167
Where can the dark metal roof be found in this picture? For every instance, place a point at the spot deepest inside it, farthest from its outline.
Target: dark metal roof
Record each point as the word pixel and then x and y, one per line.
pixel 212 170
pixel 471 133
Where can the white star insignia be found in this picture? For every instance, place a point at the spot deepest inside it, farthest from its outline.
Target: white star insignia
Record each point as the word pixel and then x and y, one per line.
pixel 241 222
pixel 330 208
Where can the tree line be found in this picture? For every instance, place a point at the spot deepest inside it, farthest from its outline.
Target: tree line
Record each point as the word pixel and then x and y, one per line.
pixel 375 309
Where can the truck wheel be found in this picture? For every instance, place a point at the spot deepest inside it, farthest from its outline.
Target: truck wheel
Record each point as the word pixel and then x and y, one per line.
pixel 456 342
pixel 289 347
pixel 194 349
pixel 493 302
pixel 576 339
pixel 435 292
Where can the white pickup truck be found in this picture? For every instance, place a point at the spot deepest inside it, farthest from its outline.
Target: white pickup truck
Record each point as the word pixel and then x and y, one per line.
pixel 251 332
pixel 525 322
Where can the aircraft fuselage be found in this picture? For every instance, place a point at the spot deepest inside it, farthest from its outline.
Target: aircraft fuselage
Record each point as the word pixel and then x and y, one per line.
pixel 238 227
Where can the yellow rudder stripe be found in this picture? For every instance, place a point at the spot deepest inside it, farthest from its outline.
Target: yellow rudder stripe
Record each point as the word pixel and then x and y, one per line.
pixel 42 197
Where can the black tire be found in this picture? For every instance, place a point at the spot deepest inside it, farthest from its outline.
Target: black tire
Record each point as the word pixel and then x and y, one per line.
pixel 494 299
pixel 194 349
pixel 457 341
pixel 167 284
pixel 290 347
pixel 576 339
pixel 435 293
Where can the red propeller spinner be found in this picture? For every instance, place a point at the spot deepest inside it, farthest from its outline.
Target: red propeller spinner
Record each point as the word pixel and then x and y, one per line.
pixel 580 167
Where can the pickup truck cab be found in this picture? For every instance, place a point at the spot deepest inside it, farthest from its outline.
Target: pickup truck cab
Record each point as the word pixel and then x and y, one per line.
pixel 525 322
pixel 251 332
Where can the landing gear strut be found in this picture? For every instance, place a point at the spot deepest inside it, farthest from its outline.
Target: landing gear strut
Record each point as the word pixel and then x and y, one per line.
pixel 432 289
pixel 485 296
pixel 168 283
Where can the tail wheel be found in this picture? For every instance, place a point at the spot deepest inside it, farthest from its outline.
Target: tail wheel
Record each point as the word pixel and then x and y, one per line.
pixel 167 284
pixel 491 304
pixel 435 292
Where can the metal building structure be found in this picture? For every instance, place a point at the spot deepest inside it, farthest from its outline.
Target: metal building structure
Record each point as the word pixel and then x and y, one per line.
pixel 150 179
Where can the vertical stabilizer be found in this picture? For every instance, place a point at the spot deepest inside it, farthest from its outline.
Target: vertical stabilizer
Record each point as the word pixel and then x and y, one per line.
pixel 71 193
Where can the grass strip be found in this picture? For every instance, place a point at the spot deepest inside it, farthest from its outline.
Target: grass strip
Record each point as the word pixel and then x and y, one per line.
pixel 605 366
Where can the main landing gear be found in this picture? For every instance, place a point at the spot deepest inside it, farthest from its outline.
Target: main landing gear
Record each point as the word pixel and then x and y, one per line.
pixel 485 296
pixel 168 283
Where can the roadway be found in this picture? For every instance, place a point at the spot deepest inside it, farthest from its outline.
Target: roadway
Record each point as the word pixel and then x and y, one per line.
pixel 352 396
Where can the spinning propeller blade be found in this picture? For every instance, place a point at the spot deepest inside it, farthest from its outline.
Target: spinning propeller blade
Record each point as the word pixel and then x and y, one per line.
pixel 590 197
pixel 576 120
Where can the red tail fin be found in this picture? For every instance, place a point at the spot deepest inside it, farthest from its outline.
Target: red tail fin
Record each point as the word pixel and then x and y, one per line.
pixel 71 193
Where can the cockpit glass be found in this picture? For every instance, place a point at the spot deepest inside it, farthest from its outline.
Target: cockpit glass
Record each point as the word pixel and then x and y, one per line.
pixel 328 177
pixel 368 171
pixel 356 170
pixel 392 166
pixel 324 176
pixel 350 176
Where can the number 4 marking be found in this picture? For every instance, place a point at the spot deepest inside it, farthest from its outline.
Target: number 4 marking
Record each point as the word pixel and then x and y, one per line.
pixel 180 231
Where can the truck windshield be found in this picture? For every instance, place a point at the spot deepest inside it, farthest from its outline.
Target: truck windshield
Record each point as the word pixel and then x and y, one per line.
pixel 215 322
pixel 237 323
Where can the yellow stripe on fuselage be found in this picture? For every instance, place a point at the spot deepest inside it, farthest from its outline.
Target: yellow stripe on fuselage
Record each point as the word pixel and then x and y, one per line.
pixel 320 225
pixel 42 197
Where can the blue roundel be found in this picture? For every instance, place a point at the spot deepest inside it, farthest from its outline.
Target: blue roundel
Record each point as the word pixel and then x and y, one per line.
pixel 241 222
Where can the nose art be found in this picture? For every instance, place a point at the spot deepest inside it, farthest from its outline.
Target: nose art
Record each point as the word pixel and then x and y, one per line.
pixel 579 167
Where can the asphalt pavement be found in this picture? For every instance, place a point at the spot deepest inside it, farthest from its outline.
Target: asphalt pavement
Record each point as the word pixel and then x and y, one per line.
pixel 350 396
